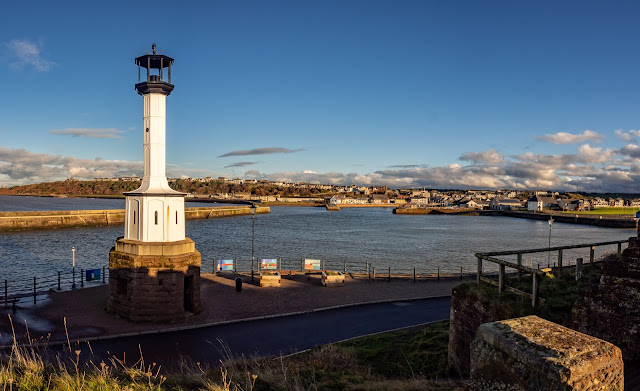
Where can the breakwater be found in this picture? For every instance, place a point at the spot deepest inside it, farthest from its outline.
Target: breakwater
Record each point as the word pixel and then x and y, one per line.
pixel 428 211
pixel 18 221
pixel 598 221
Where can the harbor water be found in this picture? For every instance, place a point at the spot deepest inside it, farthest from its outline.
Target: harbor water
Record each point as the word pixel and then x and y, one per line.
pixel 356 236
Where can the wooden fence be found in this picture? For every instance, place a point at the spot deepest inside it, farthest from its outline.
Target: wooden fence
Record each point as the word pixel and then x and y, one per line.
pixel 535 273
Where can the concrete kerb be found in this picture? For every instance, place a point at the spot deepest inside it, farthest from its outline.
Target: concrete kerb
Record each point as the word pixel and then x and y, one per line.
pixel 198 326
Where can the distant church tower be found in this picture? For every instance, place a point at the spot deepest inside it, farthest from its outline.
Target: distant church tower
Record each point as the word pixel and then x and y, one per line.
pixel 154 269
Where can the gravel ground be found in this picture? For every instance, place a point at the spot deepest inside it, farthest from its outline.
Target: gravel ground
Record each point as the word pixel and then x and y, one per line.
pixel 84 309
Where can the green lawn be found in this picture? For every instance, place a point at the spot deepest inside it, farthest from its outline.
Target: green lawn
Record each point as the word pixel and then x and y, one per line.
pixel 607 211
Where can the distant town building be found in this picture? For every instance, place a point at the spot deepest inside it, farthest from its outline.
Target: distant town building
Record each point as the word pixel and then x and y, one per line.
pixel 538 203
pixel 505 204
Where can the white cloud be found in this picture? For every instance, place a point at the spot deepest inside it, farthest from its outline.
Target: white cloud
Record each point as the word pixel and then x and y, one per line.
pixel 570 138
pixel 588 169
pixel 26 53
pixel 19 166
pixel 627 136
pixel 89 133
pixel 631 150
pixel 590 155
pixel 489 157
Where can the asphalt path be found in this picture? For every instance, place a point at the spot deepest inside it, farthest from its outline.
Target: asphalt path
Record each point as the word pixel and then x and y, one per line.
pixel 270 337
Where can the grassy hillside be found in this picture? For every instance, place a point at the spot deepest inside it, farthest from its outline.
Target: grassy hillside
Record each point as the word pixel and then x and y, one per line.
pixel 116 188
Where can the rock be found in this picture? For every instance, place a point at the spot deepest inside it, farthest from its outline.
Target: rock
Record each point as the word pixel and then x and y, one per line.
pixel 531 353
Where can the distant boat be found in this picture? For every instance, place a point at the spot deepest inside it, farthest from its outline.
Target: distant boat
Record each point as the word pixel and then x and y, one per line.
pixel 332 207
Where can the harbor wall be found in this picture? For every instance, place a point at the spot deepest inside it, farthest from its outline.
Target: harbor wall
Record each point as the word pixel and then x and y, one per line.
pixel 599 221
pixel 19 221
pixel 427 211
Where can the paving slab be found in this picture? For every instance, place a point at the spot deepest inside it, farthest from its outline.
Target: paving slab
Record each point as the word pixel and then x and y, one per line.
pixel 81 314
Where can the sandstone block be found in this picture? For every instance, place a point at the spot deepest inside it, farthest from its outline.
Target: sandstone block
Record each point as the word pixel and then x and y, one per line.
pixel 146 286
pixel 531 353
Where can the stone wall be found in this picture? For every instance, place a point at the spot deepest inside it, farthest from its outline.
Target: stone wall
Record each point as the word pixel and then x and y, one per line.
pixel 609 310
pixel 469 310
pixel 531 353
pixel 17 221
pixel 147 280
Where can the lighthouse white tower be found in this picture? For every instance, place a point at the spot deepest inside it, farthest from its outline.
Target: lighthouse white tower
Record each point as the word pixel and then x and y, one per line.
pixel 154 212
pixel 154 270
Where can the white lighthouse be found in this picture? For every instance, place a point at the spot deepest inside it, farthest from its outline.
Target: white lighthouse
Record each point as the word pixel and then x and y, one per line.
pixel 154 270
pixel 154 212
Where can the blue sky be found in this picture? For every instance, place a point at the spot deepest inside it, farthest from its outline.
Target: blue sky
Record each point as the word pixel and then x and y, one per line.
pixel 403 93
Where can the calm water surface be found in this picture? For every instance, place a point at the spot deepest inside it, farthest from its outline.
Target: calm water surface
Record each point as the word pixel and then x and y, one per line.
pixel 354 235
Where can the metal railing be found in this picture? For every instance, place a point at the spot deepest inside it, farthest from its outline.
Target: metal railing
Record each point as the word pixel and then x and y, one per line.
pixel 372 270
pixel 13 290
pixel 535 273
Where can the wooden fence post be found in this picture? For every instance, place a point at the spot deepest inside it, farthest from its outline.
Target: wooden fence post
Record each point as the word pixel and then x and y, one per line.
pixel 591 254
pixel 619 250
pixel 578 269
pixel 534 291
pixel 479 274
pixel 560 259
pixel 500 278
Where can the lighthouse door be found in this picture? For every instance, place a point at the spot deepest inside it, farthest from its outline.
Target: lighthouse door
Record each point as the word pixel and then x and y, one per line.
pixel 188 293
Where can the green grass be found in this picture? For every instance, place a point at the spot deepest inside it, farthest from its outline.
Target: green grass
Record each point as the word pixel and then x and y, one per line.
pixel 405 354
pixel 559 291
pixel 607 211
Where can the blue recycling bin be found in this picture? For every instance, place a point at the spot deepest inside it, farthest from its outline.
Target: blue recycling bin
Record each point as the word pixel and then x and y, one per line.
pixel 96 274
pixel 89 274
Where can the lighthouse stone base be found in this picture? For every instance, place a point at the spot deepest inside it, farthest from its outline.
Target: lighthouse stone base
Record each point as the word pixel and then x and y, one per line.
pixel 154 282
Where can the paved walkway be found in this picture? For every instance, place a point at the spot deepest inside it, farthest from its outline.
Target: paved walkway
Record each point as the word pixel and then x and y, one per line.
pixel 268 337
pixel 84 309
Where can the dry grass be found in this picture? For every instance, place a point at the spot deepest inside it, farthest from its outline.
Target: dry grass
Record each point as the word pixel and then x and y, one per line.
pixel 329 367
